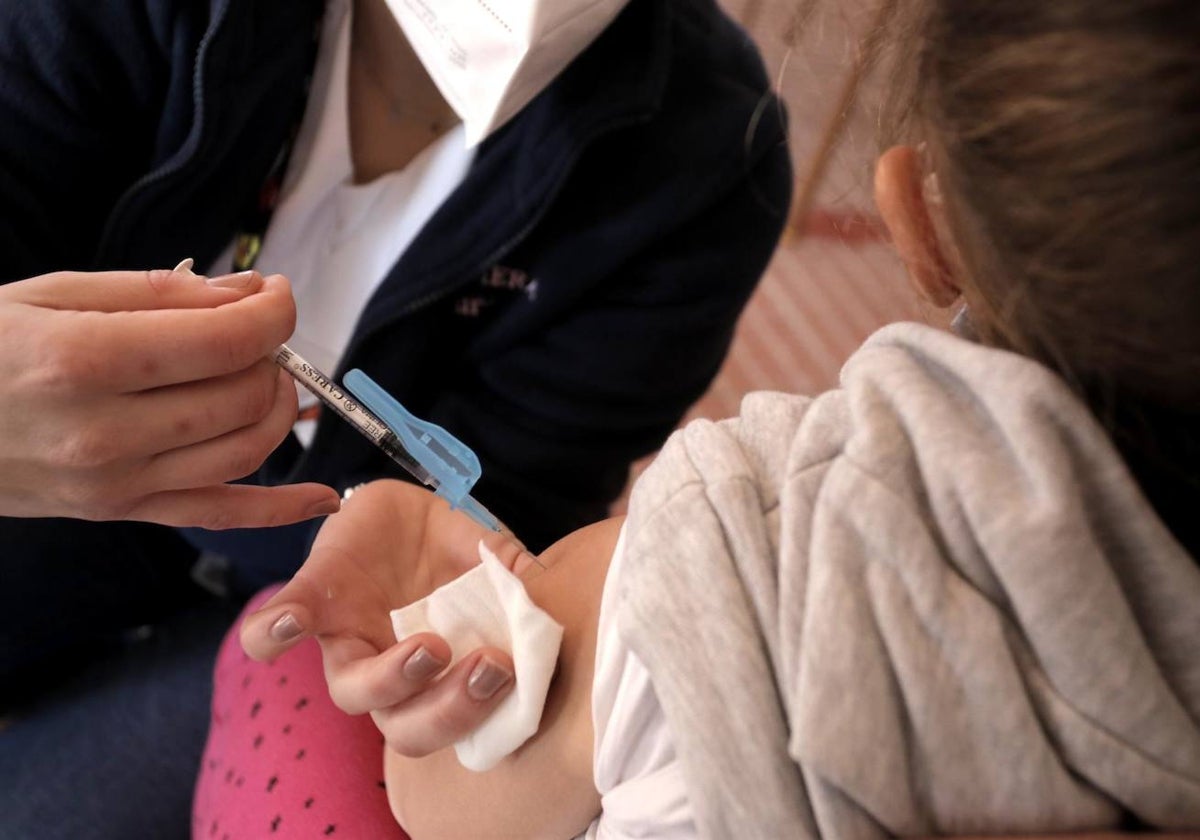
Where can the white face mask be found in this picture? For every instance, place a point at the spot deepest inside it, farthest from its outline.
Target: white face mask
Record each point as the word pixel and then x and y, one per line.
pixel 489 58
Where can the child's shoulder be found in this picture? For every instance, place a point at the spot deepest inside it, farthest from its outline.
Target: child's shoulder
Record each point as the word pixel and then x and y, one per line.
pixel 926 411
pixel 924 426
pixel 911 392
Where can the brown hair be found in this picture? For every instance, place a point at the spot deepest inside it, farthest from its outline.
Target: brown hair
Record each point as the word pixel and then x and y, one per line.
pixel 1066 138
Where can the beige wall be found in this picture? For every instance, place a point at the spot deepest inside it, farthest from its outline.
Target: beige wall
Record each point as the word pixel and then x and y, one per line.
pixel 834 280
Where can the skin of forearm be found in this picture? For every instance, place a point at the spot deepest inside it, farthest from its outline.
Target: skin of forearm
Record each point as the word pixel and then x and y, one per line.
pixel 545 789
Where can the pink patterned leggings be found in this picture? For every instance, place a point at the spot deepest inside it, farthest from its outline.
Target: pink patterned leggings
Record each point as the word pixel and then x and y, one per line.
pixel 282 760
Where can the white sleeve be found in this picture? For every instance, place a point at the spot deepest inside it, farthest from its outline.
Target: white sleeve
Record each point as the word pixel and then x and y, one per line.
pixel 641 785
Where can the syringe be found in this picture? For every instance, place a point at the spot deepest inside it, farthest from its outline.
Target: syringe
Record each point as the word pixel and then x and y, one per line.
pixel 449 478
pixel 443 462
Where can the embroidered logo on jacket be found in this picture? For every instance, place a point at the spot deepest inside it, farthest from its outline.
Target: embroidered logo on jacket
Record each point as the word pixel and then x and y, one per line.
pixel 499 284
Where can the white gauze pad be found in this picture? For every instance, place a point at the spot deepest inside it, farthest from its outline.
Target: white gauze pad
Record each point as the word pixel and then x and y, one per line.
pixel 489 606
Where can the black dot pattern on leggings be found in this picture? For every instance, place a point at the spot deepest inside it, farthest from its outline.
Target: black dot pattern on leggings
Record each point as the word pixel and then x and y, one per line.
pixel 254 703
pixel 256 773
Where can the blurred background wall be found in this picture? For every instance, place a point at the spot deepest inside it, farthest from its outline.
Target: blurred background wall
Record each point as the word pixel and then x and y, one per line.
pixel 834 279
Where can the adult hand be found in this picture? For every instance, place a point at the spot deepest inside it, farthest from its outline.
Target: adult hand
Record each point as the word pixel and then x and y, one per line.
pixel 393 543
pixel 136 395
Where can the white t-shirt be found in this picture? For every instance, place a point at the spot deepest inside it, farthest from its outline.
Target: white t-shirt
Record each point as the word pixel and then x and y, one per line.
pixel 336 240
pixel 642 790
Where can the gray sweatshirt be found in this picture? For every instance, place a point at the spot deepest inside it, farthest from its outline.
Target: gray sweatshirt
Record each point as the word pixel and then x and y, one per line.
pixel 932 601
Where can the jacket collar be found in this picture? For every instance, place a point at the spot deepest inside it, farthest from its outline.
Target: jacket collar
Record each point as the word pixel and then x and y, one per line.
pixel 617 81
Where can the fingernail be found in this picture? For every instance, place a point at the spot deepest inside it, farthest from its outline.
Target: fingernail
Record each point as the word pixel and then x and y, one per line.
pixel 186 265
pixel 286 628
pixel 487 679
pixel 232 281
pixel 422 665
pixel 327 507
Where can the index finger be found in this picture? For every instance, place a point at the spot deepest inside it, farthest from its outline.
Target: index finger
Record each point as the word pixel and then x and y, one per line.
pixel 124 352
pixel 128 291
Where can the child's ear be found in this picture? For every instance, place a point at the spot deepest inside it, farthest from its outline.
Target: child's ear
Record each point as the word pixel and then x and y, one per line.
pixel 905 207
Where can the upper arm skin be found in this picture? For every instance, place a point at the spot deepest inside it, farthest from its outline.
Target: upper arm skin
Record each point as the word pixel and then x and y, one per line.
pixel 545 788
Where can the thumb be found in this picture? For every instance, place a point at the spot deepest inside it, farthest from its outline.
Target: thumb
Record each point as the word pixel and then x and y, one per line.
pixel 288 617
pixel 129 291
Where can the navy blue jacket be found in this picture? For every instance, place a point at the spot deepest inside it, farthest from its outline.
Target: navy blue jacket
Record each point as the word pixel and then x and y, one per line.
pixel 560 311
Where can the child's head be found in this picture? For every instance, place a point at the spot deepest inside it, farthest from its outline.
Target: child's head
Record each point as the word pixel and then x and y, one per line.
pixel 1055 182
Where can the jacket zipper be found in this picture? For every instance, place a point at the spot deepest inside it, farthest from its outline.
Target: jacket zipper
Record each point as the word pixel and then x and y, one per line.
pixel 180 159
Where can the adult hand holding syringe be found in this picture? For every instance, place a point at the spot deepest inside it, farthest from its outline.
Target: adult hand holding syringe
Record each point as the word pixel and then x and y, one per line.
pixel 137 395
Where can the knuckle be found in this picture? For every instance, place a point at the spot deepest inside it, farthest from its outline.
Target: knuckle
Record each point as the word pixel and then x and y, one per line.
pixel 261 394
pixel 402 743
pixel 274 517
pixel 289 318
pixel 65 365
pixel 40 288
pixel 243 459
pixel 94 500
pixel 405 737
pixel 183 427
pixel 240 350
pixel 217 518
pixel 283 309
pixel 149 368
pixel 84 448
pixel 232 466
pixel 452 721
pixel 344 697
pixel 243 337
pixel 157 279
pixel 114 507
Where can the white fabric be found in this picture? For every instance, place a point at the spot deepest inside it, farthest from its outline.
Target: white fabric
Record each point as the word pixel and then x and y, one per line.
pixel 641 784
pixel 489 606
pixel 490 59
pixel 336 240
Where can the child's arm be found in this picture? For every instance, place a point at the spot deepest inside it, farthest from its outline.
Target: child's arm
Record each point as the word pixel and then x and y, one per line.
pixel 544 789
